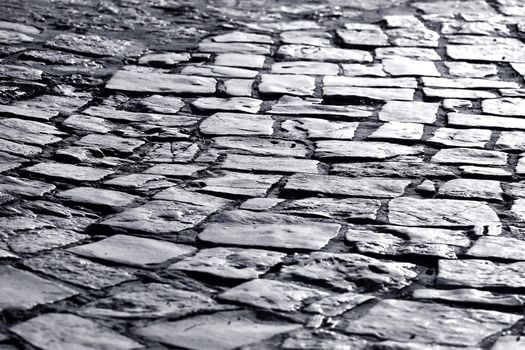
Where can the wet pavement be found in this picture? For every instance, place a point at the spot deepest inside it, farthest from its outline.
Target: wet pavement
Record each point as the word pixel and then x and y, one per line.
pixel 262 174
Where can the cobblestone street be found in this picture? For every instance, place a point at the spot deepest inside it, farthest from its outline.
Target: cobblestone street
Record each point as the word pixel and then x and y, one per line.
pixel 262 174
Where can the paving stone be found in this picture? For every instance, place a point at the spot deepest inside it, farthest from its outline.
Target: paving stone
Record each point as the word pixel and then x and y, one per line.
pixel 35 241
pixel 150 300
pixel 511 342
pixel 467 83
pixel 381 94
pixel 87 123
pixel 410 112
pixel 27 131
pixel 68 172
pixel 345 272
pixel 237 124
pixel 471 70
pixel 357 70
pixel 110 143
pixel 238 87
pixel 455 7
pixel 239 48
pixel 330 54
pixel 363 149
pixel 291 84
pixel 149 118
pixel 43 107
pixel 92 45
pixel 401 320
pixel 63 331
pixel 30 188
pixel 336 305
pixel 474 273
pixel 470 156
pixel 19 149
pixel 260 146
pixel 219 71
pixel 407 30
pixel 469 296
pixel 403 66
pixel 481 171
pixel 222 331
pixel 139 182
pixel 310 37
pixel 398 131
pixel 505 106
pixel 290 105
pixel 165 59
pixel 347 208
pixel 320 339
pixel 10 37
pixel 260 204
pixel 231 263
pixel 477 138
pixel 443 212
pixel 24 290
pixel 269 164
pixel 311 236
pixel 319 129
pixel 269 294
pixel 242 37
pixel 362 34
pixel 506 248
pixel 511 140
pixel 419 53
pixel 131 250
pixel 457 93
pixel 486 121
pixel 234 104
pixel 518 209
pixel 305 67
pixel 240 60
pixel 159 82
pixel 78 271
pixel 169 213
pixel 509 51
pixel 176 169
pixel 352 187
pixel 20 72
pixel 369 82
pixel 240 184
pixel 455 104
pixel 470 189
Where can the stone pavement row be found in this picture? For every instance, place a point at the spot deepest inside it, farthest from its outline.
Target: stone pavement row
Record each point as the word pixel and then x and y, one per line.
pixel 329 175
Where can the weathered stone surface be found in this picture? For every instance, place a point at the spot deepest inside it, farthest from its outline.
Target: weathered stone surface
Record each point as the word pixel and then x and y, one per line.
pixel 150 301
pixel 296 106
pixel 347 208
pixel 240 48
pixel 486 121
pixel 24 290
pixel 457 93
pixel 159 82
pixel 260 146
pixel 363 34
pixel 30 188
pixel 219 71
pixel 63 331
pixel 92 45
pixel 470 156
pixel 240 184
pixel 176 169
pixel 20 72
pixel 319 129
pixel 398 131
pixel 357 70
pixel 403 320
pixel 420 53
pixel 311 236
pixel 508 51
pixel 165 59
pixel 310 37
pixel 330 54
pixel 240 60
pixel 471 189
pixel 510 342
pixel 468 83
pixel 336 305
pixel 352 187
pixel 232 263
pixel 471 70
pixel 238 87
pixel 290 84
pixel 443 212
pixel 221 331
pixel 346 272
pixel 234 104
pixel 237 124
pixel 149 118
pixel 270 164
pixel 482 171
pixel 269 294
pixel 139 182
pixel 470 296
pixel 320 339
pixel 110 143
pixel 78 271
pixel 19 149
pixel 305 67
pixel 410 112
pixel 476 138
pixel 242 37
pixel 511 140
pixel 475 273
pixel 403 66
pixel 506 248
pixel 131 250
pixel 363 149
pixel 26 131
pixel 68 171
pixel 43 107
pixel 512 107
pixel 34 241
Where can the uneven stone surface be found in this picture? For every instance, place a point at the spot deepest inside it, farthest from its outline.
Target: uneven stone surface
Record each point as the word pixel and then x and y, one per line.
pixel 262 174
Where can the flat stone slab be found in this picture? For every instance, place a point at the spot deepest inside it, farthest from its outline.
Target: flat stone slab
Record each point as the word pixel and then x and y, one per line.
pixel 219 71
pixel 68 171
pixel 28 131
pixel 24 290
pixel 240 184
pixel 471 189
pixel 468 83
pixel 409 112
pixel 510 107
pixel 240 60
pixel 239 124
pixel 477 273
pixel 98 196
pixel 18 186
pixel 506 248
pixel 469 296
pixel 93 45
pixel 468 94
pixel 62 331
pixel 231 263
pixel 486 121
pixel 475 138
pixel 373 93
pixel 290 105
pixel 403 321
pixel 346 272
pixel 311 236
pixel 110 143
pixel 124 80
pixel 305 67
pixel 443 212
pixel 314 128
pixel 270 164
pixel 347 208
pixel 290 84
pixel 470 156
pixel 150 300
pixel 260 146
pixel 43 107
pixel 130 250
pixel 270 294
pixel 234 104
pixel 221 331
pixel 330 54
pixel 363 149
pixel 352 187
